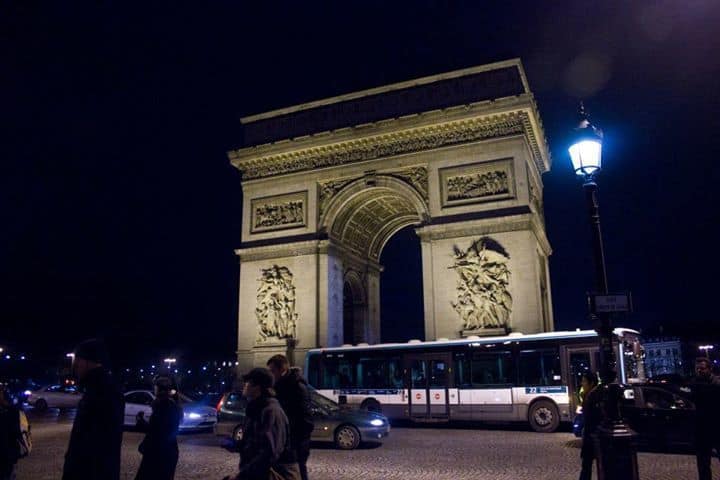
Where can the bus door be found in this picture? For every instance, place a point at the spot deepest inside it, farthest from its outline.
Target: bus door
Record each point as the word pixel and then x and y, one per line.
pixel 579 360
pixel 428 385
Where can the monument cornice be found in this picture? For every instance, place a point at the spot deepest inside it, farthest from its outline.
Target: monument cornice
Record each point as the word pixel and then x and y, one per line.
pixel 278 251
pixel 526 221
pixel 414 133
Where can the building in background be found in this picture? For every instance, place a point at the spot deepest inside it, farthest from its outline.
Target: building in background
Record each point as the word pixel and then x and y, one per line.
pixel 663 356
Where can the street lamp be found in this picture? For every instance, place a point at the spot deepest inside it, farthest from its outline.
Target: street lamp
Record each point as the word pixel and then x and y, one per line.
pixel 707 349
pixel 614 445
pixel 169 362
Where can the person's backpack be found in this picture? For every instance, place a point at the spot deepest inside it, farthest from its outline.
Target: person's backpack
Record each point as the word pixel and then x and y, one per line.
pixel 25 439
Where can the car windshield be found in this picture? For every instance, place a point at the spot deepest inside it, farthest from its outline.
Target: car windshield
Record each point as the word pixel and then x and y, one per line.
pixel 323 402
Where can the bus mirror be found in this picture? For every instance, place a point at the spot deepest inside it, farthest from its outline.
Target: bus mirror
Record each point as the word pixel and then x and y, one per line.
pixel 342 399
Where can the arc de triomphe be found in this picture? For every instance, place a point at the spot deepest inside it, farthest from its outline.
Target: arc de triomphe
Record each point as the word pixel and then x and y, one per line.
pixel 459 156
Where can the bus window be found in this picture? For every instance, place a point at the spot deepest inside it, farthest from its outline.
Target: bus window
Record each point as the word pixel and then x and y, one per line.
pixel 418 374
pixel 491 368
pixel 539 367
pixel 395 373
pixel 462 370
pixel 370 373
pixel 314 370
pixel 438 373
pixel 338 373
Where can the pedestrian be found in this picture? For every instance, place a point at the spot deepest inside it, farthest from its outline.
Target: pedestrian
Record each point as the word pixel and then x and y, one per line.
pixel 96 438
pixel 159 448
pixel 706 395
pixel 292 393
pixel 10 435
pixel 265 451
pixel 592 415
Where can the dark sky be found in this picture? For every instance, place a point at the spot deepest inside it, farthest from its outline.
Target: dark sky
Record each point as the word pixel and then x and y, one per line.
pixel 119 210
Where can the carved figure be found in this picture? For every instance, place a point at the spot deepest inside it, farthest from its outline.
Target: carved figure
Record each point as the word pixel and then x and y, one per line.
pixel 483 299
pixel 275 309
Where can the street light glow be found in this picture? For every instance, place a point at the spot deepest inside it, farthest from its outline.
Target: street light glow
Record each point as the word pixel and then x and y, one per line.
pixel 70 355
pixel 586 156
pixel 586 148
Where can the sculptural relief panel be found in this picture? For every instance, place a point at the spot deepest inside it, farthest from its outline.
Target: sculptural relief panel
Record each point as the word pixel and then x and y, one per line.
pixel 479 182
pixel 275 307
pixel 483 299
pixel 279 212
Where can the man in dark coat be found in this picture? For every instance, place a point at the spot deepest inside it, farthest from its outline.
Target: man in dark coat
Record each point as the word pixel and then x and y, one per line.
pixel 96 438
pixel 706 395
pixel 159 448
pixel 265 450
pixel 9 435
pixel 292 393
pixel 592 415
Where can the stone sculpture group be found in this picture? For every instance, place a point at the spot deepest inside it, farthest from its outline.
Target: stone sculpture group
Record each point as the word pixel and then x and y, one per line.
pixel 275 310
pixel 483 299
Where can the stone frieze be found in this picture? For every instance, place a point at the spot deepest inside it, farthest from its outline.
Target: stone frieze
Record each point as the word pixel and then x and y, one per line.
pixel 369 148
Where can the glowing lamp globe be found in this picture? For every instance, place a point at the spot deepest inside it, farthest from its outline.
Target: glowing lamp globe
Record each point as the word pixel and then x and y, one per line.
pixel 586 148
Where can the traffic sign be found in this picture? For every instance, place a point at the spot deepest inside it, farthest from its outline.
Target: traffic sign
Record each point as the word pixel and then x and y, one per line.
pixel 611 303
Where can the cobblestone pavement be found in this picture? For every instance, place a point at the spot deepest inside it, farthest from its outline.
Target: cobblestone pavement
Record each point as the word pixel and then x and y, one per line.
pixel 477 453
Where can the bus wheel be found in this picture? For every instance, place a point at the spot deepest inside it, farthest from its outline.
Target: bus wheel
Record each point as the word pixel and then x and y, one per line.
pixel 371 405
pixel 347 437
pixel 544 416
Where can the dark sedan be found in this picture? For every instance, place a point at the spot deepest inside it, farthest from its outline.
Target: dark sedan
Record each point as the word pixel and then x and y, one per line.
pixel 662 417
pixel 344 427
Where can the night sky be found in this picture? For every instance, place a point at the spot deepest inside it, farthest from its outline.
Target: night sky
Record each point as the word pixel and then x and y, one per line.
pixel 119 210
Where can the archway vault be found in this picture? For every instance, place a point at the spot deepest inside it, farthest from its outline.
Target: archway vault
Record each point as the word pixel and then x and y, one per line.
pixel 367 212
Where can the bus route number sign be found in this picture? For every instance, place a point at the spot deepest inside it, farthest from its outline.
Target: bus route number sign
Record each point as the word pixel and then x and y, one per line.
pixel 611 303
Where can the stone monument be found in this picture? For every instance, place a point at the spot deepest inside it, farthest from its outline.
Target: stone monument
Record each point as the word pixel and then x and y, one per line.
pixel 459 156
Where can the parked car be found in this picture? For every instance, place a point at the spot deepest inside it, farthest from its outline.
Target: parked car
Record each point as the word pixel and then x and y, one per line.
pixel 662 417
pixel 344 427
pixel 55 396
pixel 195 416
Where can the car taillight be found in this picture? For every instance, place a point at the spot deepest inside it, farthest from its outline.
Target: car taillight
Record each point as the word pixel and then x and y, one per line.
pixel 219 405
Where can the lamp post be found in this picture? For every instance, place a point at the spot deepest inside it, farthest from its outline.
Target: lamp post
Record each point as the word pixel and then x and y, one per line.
pixel 707 349
pixel 614 444
pixel 169 362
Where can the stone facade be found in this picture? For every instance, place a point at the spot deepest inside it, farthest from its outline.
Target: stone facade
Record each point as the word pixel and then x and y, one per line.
pixel 319 206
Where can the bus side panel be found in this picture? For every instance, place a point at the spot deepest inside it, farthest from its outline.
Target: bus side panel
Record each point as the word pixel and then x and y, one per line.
pixel 524 396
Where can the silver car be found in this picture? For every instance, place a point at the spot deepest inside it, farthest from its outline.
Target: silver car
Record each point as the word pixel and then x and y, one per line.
pixel 345 428
pixel 195 416
pixel 55 396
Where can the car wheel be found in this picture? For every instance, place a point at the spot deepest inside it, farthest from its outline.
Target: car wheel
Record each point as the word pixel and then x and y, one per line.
pixel 41 405
pixel 347 437
pixel 237 434
pixel 544 416
pixel 371 405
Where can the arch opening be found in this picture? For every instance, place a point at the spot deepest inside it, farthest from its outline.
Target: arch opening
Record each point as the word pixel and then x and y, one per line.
pixel 360 221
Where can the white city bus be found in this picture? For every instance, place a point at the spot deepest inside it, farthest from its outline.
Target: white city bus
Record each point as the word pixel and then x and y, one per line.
pixel 517 377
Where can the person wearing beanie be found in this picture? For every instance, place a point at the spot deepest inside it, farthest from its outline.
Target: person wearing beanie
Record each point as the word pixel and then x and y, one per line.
pixel 265 450
pixel 159 448
pixel 96 438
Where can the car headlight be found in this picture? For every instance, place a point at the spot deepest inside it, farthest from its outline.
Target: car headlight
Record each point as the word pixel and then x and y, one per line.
pixel 193 416
pixel 377 422
pixel 27 393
